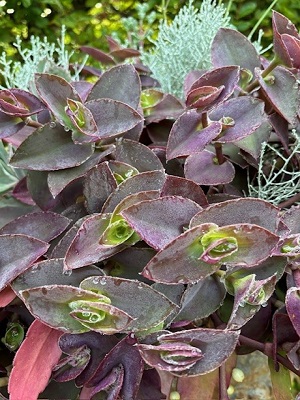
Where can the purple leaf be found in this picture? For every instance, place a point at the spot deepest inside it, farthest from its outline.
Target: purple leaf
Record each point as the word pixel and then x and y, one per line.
pixel 18 252
pixel 214 345
pixel 137 155
pixel 73 365
pixel 223 80
pixel 85 248
pixel 178 261
pixel 121 83
pixel 291 219
pixel 146 181
pixel 58 180
pixel 203 169
pixel 283 27
pixel 50 272
pixel 239 211
pixel 9 125
pixel 282 92
pixel 168 107
pixel 292 302
pixel 19 103
pixel 61 151
pixel 201 299
pixel 99 183
pixel 231 47
pixel 126 354
pixel 55 91
pixel 188 136
pixel 113 118
pixel 98 55
pixel 147 306
pixel 176 186
pixel 74 310
pixel 161 220
pixel 247 115
pixel 44 226
pixel 203 96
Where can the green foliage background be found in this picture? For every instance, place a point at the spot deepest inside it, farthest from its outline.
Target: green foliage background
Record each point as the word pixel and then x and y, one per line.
pixel 87 22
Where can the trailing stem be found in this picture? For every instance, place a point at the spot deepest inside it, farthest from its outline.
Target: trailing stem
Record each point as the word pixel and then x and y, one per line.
pixel 222 383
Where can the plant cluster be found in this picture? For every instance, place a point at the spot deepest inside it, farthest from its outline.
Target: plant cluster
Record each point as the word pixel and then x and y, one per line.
pixel 132 265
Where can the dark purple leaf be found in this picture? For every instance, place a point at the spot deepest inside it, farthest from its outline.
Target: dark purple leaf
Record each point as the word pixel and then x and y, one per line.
pixel 85 248
pixel 291 219
pixel 19 103
pixel 21 193
pixel 98 344
pixel 147 306
pixel 176 186
pixel 58 180
pixel 61 151
pixel 9 125
pixel 55 91
pixel 113 118
pixel 137 155
pixel 160 221
pixel 98 55
pixel 188 136
pixel 168 107
pixel 201 299
pixel 99 183
pixel 150 386
pixel 85 128
pixel 122 54
pixel 18 252
pixel 247 115
pixel 121 83
pixel 214 345
pixel 71 366
pixel 292 44
pixel 51 272
pixel 292 302
pixel 126 354
pixel 231 47
pixel 283 26
pixel 203 96
pixel 204 169
pixel 44 226
pixel 282 92
pixel 223 80
pixel 239 211
pixel 178 261
pixel 151 180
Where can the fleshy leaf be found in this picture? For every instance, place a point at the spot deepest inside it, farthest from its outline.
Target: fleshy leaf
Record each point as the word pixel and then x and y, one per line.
pixel 147 306
pixel 188 137
pixel 61 151
pixel 19 103
pixel 292 302
pixel 74 310
pixel 6 296
pixel 14 336
pixel 247 115
pixel 231 47
pixel 18 252
pixel 120 83
pixel 223 79
pixel 204 169
pixel 214 345
pixel 161 220
pixel 32 365
pixel 125 353
pixel 138 156
pixel 146 181
pixel 203 96
pixel 282 92
pixel 178 261
pixel 239 211
pixel 55 91
pixel 201 299
pixel 85 248
pixel 73 365
pixel 41 225
pixel 113 118
pixel 50 272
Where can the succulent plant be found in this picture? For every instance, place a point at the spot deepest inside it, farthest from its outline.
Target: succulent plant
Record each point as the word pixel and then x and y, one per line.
pixel 131 255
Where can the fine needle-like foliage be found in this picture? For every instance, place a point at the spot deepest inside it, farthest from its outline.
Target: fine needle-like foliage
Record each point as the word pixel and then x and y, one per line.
pixel 184 44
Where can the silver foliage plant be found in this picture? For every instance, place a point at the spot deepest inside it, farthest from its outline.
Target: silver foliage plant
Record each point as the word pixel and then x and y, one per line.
pixel 184 45
pixel 283 180
pixel 42 56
